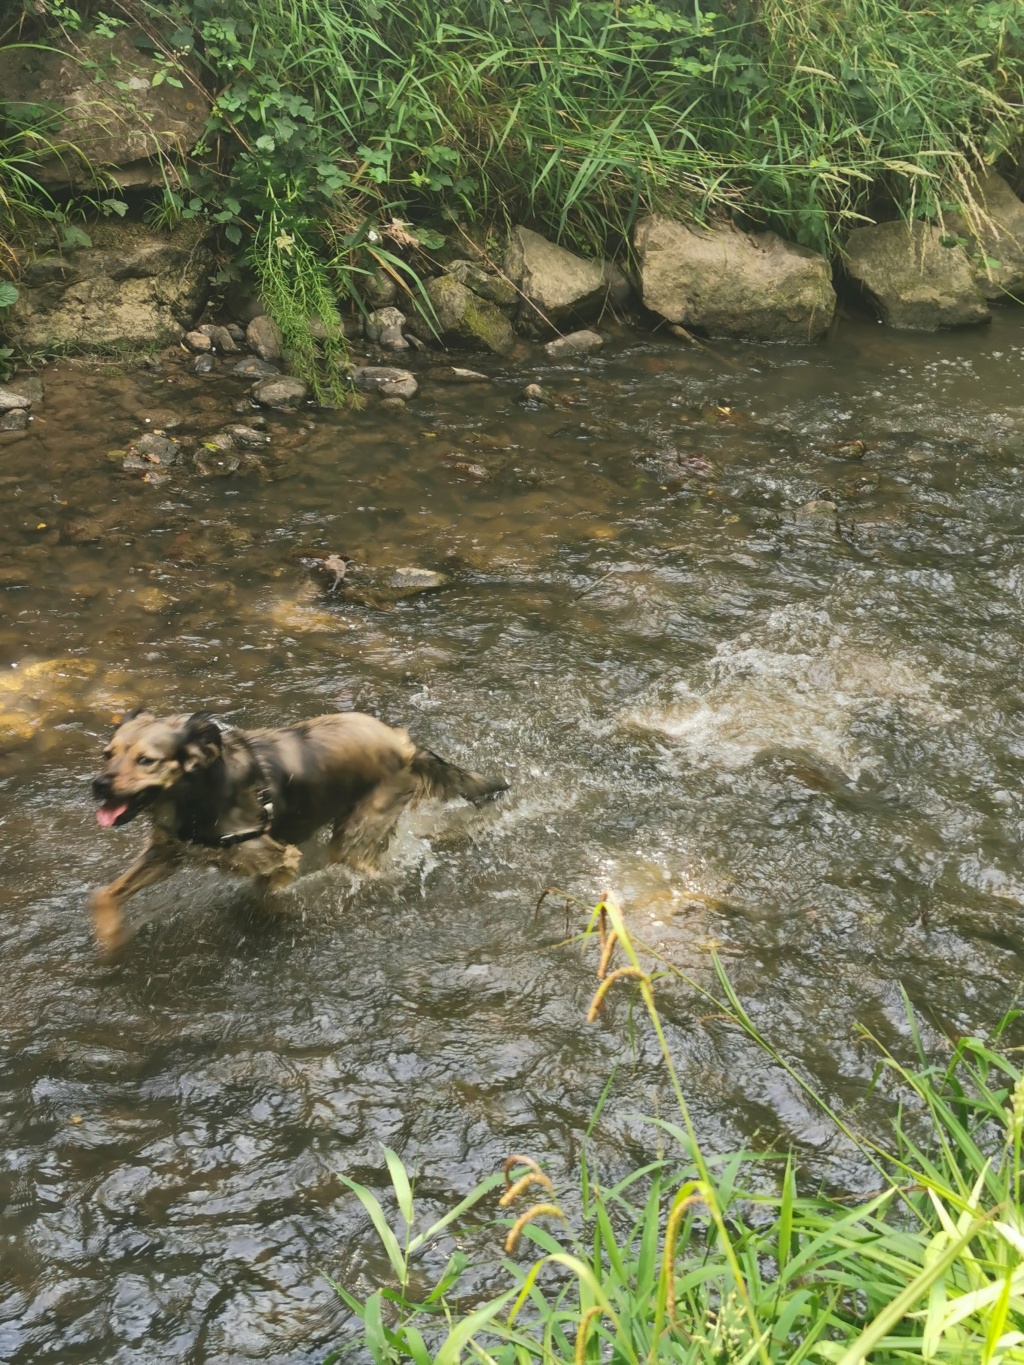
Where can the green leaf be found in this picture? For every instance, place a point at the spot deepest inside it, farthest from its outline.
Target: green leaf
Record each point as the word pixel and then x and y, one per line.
pixel 8 293
pixel 399 1179
pixel 387 1237
pixel 459 1337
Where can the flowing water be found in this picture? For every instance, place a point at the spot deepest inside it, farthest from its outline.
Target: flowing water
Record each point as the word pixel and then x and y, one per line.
pixel 743 630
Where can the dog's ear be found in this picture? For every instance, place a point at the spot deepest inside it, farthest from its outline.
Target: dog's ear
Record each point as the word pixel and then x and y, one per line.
pixel 200 742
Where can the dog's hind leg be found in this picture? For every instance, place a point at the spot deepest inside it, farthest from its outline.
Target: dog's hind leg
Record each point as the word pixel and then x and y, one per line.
pixel 159 859
pixel 361 838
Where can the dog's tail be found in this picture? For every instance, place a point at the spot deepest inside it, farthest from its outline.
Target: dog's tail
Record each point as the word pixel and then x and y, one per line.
pixel 440 778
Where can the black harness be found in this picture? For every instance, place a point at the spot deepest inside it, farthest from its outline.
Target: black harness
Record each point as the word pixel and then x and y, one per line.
pixel 264 798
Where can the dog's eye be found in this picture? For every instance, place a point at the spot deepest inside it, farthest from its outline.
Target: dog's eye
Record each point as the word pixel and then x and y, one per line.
pixel 144 761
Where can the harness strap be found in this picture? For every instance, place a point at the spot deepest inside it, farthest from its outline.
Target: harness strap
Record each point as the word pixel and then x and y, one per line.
pixel 264 797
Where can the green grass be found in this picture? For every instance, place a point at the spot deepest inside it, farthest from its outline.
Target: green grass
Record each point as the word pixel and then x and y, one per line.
pixel 727 1260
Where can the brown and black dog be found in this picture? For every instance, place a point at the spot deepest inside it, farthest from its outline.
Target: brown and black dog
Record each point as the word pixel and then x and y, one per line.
pixel 248 797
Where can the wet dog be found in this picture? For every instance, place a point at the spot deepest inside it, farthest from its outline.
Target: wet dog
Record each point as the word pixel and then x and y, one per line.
pixel 247 798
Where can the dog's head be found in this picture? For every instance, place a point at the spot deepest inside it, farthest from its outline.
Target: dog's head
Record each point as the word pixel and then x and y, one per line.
pixel 147 757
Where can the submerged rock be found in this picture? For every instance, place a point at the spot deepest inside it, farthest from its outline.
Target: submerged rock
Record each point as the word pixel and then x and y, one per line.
pixel 13 419
pixel 996 237
pixel 255 369
pixel 913 281
pixel 131 287
pixel 462 316
pixel 556 281
pixel 280 391
pixel 155 448
pixel 386 380
pixel 370 586
pixel 731 284
pixel 576 343
pixel 248 437
pixel 264 336
pixel 14 398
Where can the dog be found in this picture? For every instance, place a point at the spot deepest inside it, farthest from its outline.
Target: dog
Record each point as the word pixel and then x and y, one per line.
pixel 247 798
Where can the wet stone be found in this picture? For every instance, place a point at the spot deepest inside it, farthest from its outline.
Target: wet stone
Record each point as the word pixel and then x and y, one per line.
pixel 203 364
pixel 255 369
pixel 220 337
pixel 385 380
pixel 533 393
pixel 282 391
pixel 14 419
pixel 384 587
pixel 198 341
pixel 13 398
pixel 393 404
pixel 264 337
pixel 248 437
pixel 156 449
pixel 457 374
pixel 576 343
pixel 384 326
pixel 217 462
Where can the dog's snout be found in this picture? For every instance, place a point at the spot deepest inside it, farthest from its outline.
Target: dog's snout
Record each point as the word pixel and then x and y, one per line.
pixel 102 788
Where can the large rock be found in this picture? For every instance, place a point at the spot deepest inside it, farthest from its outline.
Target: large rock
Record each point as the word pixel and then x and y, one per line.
pixel 557 282
pixel 460 315
pixel 731 284
pixel 132 286
pixel 488 284
pixel 914 281
pixel 104 114
pixel 996 235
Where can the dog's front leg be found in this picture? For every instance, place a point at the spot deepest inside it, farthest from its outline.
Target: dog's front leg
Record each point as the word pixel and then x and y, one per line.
pixel 273 864
pixel 159 859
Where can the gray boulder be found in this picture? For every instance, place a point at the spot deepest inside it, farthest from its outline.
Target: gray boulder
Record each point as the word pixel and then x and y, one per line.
pixel 280 391
pixel 462 316
pixel 486 284
pixel 386 380
pixel 914 281
pixel 14 419
pixel 996 235
pixel 384 326
pixel 132 286
pixel 731 284
pixel 14 398
pixel 557 282
pixel 264 336
pixel 576 343
pixel 104 111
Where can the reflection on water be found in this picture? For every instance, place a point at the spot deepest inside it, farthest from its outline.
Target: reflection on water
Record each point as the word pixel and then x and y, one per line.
pixel 744 631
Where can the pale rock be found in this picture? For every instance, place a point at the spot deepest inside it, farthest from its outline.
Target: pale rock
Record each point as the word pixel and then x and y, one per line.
pixel 576 343
pixel 913 281
pixel 264 337
pixel 280 391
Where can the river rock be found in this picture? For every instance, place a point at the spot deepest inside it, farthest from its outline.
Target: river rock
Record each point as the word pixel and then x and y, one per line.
pixel 105 111
pixel 256 369
pixel 462 316
pixel 131 287
pixel 264 337
pixel 731 283
pixel 155 448
pixel 576 343
pixel 248 437
pixel 204 364
pixel 14 419
pixel 486 284
pixel 997 233
pixel 198 341
pixel 280 391
pixel 386 380
pixel 384 327
pixel 14 398
pixel 222 338
pixel 383 587
pixel 556 281
pixel 913 281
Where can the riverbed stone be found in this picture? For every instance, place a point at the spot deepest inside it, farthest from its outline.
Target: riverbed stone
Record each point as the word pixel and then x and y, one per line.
pixel 222 338
pixel 575 343
pixel 729 283
pixel 106 111
pixel 460 315
pixel 387 380
pixel 198 341
pixel 14 398
pixel 280 391
pixel 485 283
pixel 156 449
pixel 913 280
pixel 132 286
pixel 264 337
pixel 256 369
pixel 996 237
pixel 557 282
pixel 14 419
pixel 248 437
pixel 384 327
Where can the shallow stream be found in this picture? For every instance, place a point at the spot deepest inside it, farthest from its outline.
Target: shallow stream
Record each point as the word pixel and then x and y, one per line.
pixel 742 627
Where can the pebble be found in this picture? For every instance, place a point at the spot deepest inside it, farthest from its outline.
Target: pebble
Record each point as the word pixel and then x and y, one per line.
pixel 280 391
pixel 264 337
pixel 386 380
pixel 256 369
pixel 576 343
pixel 13 398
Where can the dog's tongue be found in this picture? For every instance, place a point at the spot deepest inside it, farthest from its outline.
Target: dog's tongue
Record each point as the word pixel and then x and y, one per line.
pixel 107 815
